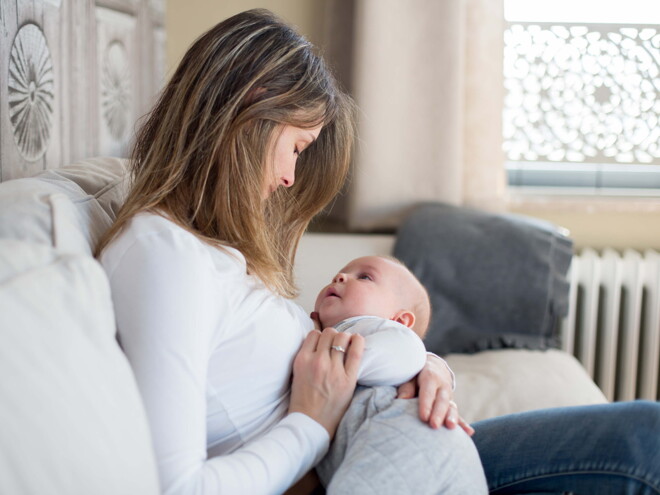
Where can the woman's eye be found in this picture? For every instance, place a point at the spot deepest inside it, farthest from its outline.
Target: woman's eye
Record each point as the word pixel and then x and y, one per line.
pixel 296 152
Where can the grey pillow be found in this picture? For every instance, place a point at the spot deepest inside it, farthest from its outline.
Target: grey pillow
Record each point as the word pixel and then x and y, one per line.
pixel 495 281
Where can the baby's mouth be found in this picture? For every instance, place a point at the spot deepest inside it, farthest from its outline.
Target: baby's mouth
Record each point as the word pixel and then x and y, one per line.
pixel 331 292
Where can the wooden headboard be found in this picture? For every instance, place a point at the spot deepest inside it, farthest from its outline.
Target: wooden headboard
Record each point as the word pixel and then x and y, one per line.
pixel 75 75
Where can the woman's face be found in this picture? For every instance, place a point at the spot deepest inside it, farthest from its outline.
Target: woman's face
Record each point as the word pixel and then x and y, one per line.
pixel 290 142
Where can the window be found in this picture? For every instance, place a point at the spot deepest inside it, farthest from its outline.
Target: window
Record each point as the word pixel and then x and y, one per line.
pixel 582 104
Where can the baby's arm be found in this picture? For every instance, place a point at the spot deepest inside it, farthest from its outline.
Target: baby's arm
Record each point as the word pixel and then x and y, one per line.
pixel 393 353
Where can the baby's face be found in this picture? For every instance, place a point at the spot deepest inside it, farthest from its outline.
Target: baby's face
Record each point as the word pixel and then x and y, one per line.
pixel 366 286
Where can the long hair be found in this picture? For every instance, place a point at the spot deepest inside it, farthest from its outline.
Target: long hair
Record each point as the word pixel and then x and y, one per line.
pixel 200 158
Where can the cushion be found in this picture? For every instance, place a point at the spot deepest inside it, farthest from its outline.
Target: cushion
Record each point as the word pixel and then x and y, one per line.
pixel 495 281
pixel 69 208
pixel 71 419
pixel 493 383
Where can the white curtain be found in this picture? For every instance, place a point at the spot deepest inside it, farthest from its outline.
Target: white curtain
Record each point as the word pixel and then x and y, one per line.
pixel 427 78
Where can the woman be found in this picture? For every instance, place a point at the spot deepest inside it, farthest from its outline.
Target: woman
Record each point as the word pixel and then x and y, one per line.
pixel 200 265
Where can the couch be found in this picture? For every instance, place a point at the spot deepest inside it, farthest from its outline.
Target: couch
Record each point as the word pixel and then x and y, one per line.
pixel 71 418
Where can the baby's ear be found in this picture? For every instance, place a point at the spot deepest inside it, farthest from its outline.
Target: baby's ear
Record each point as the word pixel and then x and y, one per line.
pixel 405 317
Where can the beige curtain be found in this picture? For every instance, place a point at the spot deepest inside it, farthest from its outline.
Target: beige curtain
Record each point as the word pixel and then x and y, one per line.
pixel 427 77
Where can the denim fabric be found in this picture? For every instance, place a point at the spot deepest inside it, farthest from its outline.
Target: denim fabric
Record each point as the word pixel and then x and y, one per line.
pixel 603 449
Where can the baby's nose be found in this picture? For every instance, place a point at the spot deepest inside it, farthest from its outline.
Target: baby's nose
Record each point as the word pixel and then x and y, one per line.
pixel 339 278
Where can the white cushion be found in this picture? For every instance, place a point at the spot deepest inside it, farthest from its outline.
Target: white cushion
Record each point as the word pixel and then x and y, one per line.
pixel 69 208
pixel 493 383
pixel 71 419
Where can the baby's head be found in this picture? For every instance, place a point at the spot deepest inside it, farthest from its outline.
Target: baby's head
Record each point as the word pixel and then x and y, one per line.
pixel 375 286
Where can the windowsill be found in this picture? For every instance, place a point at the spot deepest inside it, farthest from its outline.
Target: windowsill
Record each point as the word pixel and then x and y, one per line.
pixel 541 200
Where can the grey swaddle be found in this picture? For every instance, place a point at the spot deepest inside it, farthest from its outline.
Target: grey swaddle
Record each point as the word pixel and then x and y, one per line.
pixel 382 447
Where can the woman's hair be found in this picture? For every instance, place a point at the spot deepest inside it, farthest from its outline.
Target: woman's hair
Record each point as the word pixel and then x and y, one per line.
pixel 201 156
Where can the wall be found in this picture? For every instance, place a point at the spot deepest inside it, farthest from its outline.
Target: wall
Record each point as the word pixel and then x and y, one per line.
pixel 599 223
pixel 592 222
pixel 187 19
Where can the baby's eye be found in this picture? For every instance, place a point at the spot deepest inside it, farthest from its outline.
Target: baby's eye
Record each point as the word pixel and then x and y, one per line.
pixel 364 276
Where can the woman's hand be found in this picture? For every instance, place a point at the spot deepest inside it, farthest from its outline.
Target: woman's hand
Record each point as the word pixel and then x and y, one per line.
pixel 324 378
pixel 436 405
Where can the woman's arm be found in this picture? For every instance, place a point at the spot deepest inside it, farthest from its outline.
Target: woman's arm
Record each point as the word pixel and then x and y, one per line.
pixel 163 288
pixel 434 385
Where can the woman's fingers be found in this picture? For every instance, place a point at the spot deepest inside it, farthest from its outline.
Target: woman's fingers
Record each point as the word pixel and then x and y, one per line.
pixel 325 341
pixel 311 341
pixel 407 390
pixel 354 356
pixel 339 347
pixel 432 397
pixel 451 418
pixel 346 350
pixel 440 409
pixel 465 426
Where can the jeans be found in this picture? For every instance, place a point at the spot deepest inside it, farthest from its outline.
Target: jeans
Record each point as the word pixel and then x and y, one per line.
pixel 602 449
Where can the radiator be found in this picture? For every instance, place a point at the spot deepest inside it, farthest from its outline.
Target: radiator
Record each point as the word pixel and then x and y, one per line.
pixel 613 323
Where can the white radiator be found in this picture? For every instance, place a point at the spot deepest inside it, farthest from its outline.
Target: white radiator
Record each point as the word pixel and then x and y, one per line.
pixel 613 324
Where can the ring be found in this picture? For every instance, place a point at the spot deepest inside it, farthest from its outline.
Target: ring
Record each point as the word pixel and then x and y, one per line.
pixel 452 403
pixel 337 348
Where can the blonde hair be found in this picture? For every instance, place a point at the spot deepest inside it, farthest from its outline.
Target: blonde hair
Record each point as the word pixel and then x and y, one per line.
pixel 200 156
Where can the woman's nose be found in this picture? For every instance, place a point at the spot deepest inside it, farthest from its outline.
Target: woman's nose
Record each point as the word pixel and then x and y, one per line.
pixel 339 278
pixel 288 178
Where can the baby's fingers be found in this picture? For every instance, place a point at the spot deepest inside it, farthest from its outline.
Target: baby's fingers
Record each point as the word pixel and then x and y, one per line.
pixel 354 355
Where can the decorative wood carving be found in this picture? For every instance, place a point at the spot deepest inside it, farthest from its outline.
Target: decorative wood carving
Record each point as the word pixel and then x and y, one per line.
pixel 117 62
pixel 116 89
pixel 74 77
pixel 31 91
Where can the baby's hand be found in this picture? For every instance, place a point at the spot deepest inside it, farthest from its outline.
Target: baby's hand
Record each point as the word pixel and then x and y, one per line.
pixel 317 323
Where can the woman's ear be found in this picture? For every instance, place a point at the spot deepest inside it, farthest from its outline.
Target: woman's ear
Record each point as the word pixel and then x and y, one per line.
pixel 404 317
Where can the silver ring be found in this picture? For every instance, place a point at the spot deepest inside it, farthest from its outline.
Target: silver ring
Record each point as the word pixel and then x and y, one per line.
pixel 337 348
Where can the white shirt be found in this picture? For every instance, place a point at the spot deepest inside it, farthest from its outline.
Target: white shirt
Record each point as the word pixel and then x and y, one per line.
pixel 212 351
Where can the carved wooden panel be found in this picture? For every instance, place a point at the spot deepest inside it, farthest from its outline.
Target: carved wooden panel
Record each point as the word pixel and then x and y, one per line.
pixel 117 81
pixel 74 77
pixel 31 88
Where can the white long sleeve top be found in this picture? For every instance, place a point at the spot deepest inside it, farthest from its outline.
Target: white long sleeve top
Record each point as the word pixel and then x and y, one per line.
pixel 212 351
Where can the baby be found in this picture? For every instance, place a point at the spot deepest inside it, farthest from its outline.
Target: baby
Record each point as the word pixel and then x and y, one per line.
pixel 380 299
